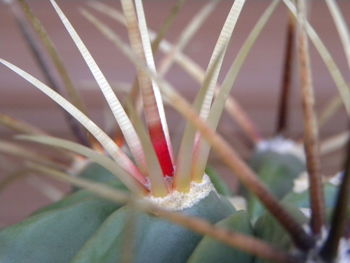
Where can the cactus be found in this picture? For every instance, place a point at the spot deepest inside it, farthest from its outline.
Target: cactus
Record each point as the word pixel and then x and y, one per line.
pixel 134 200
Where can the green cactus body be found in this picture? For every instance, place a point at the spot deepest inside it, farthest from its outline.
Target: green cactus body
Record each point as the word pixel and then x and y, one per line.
pixel 301 199
pixel 277 163
pixel 84 228
pixel 209 250
pixel 54 235
pixel 268 229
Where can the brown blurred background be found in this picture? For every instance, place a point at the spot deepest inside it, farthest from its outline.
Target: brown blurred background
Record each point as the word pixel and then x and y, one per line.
pixel 257 87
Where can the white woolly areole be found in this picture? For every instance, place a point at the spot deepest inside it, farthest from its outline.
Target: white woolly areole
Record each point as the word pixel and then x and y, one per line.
pixel 176 201
pixel 342 257
pixel 344 251
pixel 238 202
pixel 313 254
pixel 281 145
pixel 301 183
pixel 306 211
pixel 337 179
pixel 343 248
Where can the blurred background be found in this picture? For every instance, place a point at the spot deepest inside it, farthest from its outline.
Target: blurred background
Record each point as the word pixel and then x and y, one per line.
pixel 257 88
